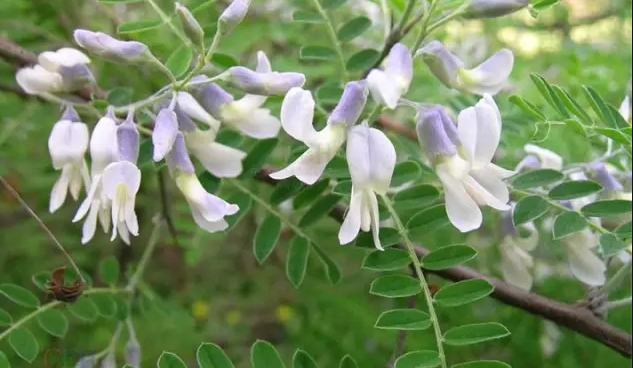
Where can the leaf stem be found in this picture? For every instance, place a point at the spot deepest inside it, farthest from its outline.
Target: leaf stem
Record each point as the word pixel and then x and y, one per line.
pixel 619 303
pixel 332 35
pixel 417 266
pixel 406 14
pixel 424 31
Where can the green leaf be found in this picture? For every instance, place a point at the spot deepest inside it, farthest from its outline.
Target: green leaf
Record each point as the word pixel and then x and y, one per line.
pixel 347 362
pixel 536 178
pixel 319 209
pixel 463 292
pixel 331 268
pixel 310 193
pixel 119 96
pixel 343 188
pixel 105 303
pixel 53 321
pixel 337 168
pixel 297 260
pixel 285 189
pixel 600 107
pixel 301 359
pixel 362 60
pixel 611 244
pixel 224 61
pixel 258 156
pixel 266 237
pixel 329 93
pixel 4 362
pixel 482 364
pixel 574 189
pixel 448 256
pixel 244 202
pixel 386 260
pixel 307 17
pixel 24 344
pixel 403 319
pixel 170 360
pixel 527 107
pixel 353 29
pixel 608 207
pixel 571 105
pixel 332 4
pixel 624 231
pixel 5 318
pixel 405 172
pixel 109 270
pixel 576 127
pixel 179 61
pixel 122 311
pixel 428 220
pixel 40 280
pixel 528 209
pixel 415 197
pixel 568 223
pixel 475 333
pixel 264 355
pixel 543 4
pixel 138 26
pixel 418 359
pixel 388 236
pixel 317 53
pixel 614 134
pixel 84 309
pixel 548 94
pixel 19 295
pixel 211 356
pixel 395 286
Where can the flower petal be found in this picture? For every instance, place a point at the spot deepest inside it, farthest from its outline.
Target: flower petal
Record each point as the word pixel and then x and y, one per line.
pixel 584 264
pixel 548 159
pixel 90 225
pixel 461 208
pixel 258 124
pixel 220 160
pixel 351 225
pixel 384 90
pixel 492 184
pixel 515 265
pixel 210 226
pixel 191 107
pixel 308 168
pixel 37 80
pixel 480 132
pixel 59 192
pixel 375 218
pixel 297 113
pixel 121 172
pixel 489 76
pixel 164 133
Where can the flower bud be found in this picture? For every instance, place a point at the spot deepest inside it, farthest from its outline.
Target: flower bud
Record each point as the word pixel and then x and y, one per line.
pixel 71 64
pixel 493 8
pixel 37 80
pixel 273 83
pixel 178 158
pixel 128 139
pixel 233 15
pixel 89 361
pixel 132 353
pixel 599 172
pixel 111 48
pixel 211 96
pixel 441 62
pixel 351 105
pixel 437 134
pixel 190 25
pixel 109 361
pixel 164 133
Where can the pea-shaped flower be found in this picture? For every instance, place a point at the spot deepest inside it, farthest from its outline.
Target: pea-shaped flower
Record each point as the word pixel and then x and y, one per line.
pixel 517 243
pixel 540 158
pixel 62 70
pixel 388 85
pixel 111 48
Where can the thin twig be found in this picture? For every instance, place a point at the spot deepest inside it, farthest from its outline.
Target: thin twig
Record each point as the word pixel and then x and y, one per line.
pixel 43 226
pixel 166 207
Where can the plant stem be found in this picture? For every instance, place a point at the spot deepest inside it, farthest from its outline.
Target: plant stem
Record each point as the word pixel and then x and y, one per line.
pixel 417 266
pixel 332 35
pixel 202 61
pixel 41 223
pixel 406 14
pixel 147 254
pixel 616 280
pixel 448 18
pixel 19 323
pixel 425 25
pixel 619 303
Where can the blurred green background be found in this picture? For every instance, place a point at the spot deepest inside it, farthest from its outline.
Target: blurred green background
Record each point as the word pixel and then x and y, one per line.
pixel 212 287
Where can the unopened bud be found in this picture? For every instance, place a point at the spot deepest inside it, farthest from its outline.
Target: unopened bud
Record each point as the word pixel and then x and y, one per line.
pixel 233 15
pixel 210 96
pixel 109 47
pixel 132 353
pixel 164 133
pixel 128 139
pixel 109 361
pixel 264 84
pixel 190 25
pixel 493 8
pixel 441 62
pixel 437 134
pixel 351 105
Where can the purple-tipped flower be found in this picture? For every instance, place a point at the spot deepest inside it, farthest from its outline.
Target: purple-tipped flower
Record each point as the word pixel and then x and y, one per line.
pixel 529 162
pixel 388 85
pixel 109 47
pixel 62 70
pixel 185 123
pixel 489 77
pixel 351 105
pixel 109 361
pixel 599 172
pixel 516 260
pixel 164 133
pixel 233 15
pixel 190 25
pixel 178 158
pixel 266 84
pixel 493 8
pixel 437 133
pixel 211 97
pixel 128 139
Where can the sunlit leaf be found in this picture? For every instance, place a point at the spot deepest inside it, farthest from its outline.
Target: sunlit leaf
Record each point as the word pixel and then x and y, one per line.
pixel 475 333
pixel 448 256
pixel 403 319
pixel 463 292
pixel 395 286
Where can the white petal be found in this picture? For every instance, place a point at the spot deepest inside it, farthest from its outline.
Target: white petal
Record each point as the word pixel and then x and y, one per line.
pixel 191 107
pixel 462 210
pixel 297 113
pixel 482 196
pixel 358 156
pixel 251 102
pixel 479 131
pixel 258 124
pixel 351 225
pixel 68 142
pixel 122 172
pixel 104 219
pixel 66 56
pixel 489 76
pixel 131 221
pixel 210 226
pixel 88 202
pixel 37 80
pixel 499 172
pixel 383 89
pixel 625 108
pixel 103 144
pixel 263 64
pixel 308 168
pixel 548 159
pixel 375 218
pixel 492 184
pixel 210 207
pixel 585 265
pixel 122 231
pixel 371 158
pixel 220 160
pixel 76 181
pixel 383 157
pixel 59 192
pixel 90 225
pixel 515 264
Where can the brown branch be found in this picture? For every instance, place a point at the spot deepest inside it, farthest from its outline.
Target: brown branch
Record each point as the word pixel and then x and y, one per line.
pixel 575 318
pixel 385 122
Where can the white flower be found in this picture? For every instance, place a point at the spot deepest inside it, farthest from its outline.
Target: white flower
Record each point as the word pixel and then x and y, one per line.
pixel 297 112
pixel 64 69
pixel 387 86
pixel 37 80
pixel 220 160
pixel 64 57
pixel 192 108
pixel 462 159
pixel 584 264
pixel 625 108
pixel 547 158
pixel 371 158
pixel 516 261
pixel 120 182
pixel 208 210
pixel 67 145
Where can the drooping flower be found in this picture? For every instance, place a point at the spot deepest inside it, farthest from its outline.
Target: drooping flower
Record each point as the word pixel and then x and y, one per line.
pixel 540 158
pixel 188 104
pixel 103 151
pixel 245 115
pixel 584 264
pixel 489 77
pixel 264 84
pixel 192 28
pixel 371 158
pixel 516 260
pixel 297 113
pixel 164 133
pixel 233 15
pixel 493 8
pixel 208 210
pixel 62 70
pixel 462 158
pixel 67 145
pixel 388 85
pixel 109 47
